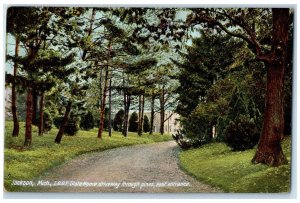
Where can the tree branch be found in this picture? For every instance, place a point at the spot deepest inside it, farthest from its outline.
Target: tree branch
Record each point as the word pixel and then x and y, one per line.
pixel 251 40
pixel 169 117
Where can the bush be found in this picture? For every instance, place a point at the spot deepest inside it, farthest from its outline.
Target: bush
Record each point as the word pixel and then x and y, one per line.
pixel 186 143
pixel 47 121
pixel 133 122
pixel 221 126
pixel 146 126
pixel 118 121
pixel 96 121
pixel 71 127
pixel 241 134
pixel 197 128
pixel 87 121
pixel 57 121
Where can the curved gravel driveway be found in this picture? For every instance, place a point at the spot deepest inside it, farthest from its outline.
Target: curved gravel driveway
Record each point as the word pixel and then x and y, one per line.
pixel 139 168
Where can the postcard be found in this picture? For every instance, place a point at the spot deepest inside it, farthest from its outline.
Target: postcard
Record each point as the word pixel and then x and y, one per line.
pixel 148 99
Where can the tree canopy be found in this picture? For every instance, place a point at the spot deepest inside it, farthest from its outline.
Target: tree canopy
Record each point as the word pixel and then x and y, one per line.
pixel 215 67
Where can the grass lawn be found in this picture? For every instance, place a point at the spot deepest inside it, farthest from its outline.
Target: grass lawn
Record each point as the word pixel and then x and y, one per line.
pixel 217 165
pixel 44 154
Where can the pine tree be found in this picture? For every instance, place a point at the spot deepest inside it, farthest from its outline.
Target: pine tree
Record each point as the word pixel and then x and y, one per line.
pixel 204 63
pixel 87 121
pixel 31 26
pixel 146 124
pixel 118 121
pixel 133 122
pixel 71 97
pixel 238 105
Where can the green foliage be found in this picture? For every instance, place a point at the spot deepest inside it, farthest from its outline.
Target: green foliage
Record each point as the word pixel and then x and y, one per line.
pixel 133 122
pixel 97 119
pixel 30 163
pixel 240 128
pixel 237 105
pixel 198 125
pixel 146 126
pixel 208 94
pixel 222 123
pixel 217 165
pixel 242 134
pixel 118 120
pixel 197 128
pixel 219 95
pixel 57 121
pixel 42 62
pixel 47 121
pixel 21 106
pixel 106 118
pixel 72 125
pixel 226 101
pixel 24 21
pixel 87 121
pixel 205 62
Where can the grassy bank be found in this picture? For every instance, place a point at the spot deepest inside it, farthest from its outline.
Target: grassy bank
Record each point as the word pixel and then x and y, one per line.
pixel 30 163
pixel 217 165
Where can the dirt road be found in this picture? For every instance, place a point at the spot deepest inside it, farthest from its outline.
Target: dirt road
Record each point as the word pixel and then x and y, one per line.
pixel 140 168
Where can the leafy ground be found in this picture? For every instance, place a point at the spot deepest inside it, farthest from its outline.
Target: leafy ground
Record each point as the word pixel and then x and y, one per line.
pixel 29 163
pixel 217 165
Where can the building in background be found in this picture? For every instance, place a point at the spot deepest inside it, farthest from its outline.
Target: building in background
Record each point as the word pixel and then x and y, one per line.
pixel 171 125
pixel 8 112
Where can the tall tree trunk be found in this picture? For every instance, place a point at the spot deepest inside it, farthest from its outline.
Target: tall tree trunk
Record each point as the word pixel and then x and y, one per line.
pixel 142 113
pixel 102 112
pixel 127 101
pixel 162 110
pixel 41 115
pixel 269 149
pixel 140 116
pixel 109 114
pixel 124 130
pixel 29 103
pixel 152 113
pixel 13 93
pixel 63 124
pixel 28 132
pixel 100 90
pixel 34 106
